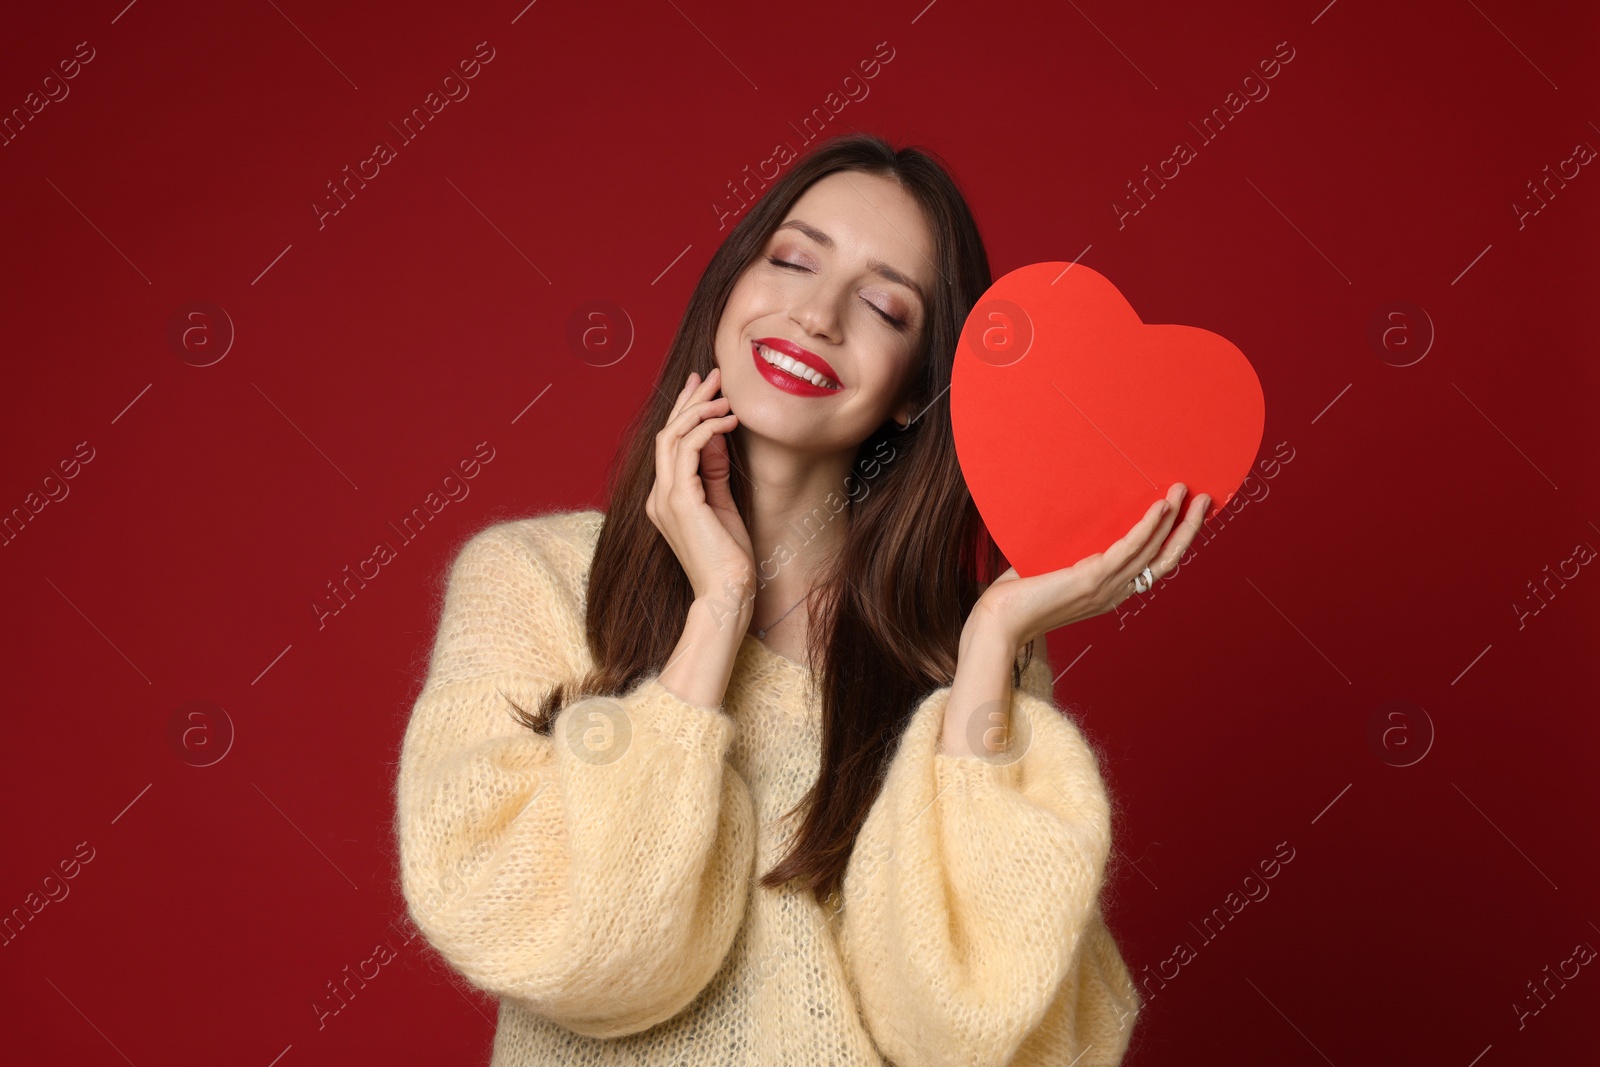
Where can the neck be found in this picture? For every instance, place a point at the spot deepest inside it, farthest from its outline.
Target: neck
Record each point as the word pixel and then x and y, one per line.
pixel 797 515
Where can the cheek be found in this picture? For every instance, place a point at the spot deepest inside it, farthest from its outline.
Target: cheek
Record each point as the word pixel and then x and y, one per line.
pixel 740 308
pixel 883 377
pixel 897 376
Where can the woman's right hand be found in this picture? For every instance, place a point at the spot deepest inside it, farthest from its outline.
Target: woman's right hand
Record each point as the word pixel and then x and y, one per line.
pixel 691 502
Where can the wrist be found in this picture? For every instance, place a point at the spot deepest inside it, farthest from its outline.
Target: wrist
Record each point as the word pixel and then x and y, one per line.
pixel 986 648
pixel 732 603
pixel 985 633
pixel 981 688
pixel 724 613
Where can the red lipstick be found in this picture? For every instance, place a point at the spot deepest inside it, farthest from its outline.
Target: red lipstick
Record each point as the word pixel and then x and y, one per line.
pixel 787 381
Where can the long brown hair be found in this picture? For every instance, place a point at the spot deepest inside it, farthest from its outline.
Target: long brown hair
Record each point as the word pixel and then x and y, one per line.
pixel 913 554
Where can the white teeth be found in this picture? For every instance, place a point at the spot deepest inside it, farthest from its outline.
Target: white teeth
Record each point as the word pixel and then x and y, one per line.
pixel 795 367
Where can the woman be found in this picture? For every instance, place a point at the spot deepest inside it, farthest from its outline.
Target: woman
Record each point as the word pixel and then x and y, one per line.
pixel 619 865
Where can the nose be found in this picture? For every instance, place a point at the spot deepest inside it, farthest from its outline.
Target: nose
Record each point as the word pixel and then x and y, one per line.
pixel 818 313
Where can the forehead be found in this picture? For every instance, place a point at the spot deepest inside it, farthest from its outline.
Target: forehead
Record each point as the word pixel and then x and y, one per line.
pixel 869 218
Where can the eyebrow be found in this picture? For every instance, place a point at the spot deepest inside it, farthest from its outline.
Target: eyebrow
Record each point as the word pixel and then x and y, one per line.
pixel 875 266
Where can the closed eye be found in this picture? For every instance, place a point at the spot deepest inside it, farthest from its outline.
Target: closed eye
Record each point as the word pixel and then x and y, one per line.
pixel 898 324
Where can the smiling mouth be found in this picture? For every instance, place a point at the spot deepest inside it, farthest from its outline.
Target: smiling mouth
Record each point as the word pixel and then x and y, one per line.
pixel 792 366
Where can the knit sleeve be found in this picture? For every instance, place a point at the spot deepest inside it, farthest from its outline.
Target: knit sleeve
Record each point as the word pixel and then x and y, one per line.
pixel 597 875
pixel 971 928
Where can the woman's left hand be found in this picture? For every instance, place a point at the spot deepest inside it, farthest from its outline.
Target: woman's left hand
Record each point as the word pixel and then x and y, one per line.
pixel 1022 609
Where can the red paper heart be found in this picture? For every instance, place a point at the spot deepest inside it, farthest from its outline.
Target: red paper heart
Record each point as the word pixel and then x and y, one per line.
pixel 1072 416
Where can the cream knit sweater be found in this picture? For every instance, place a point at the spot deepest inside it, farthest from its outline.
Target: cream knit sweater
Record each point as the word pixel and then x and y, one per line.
pixel 601 881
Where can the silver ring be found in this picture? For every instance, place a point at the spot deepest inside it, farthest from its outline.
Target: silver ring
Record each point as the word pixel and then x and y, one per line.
pixel 1143 581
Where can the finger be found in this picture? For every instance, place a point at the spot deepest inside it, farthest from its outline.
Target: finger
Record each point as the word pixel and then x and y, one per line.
pixel 667 440
pixel 689 446
pixel 1128 579
pixel 683 394
pixel 1158 554
pixel 693 414
pixel 667 446
pixel 1186 523
pixel 1147 551
pixel 1183 534
pixel 1145 538
pixel 707 387
pixel 701 389
pixel 696 389
pixel 1127 548
pixel 714 468
pixel 687 456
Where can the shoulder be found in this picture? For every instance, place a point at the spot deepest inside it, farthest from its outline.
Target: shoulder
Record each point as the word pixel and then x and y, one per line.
pixel 560 538
pixel 511 603
pixel 560 544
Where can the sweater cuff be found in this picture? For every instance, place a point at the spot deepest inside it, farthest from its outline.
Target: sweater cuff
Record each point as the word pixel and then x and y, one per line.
pixel 966 775
pixel 978 771
pixel 699 730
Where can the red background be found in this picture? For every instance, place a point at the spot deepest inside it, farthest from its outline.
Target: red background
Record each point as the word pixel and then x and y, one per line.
pixel 373 354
